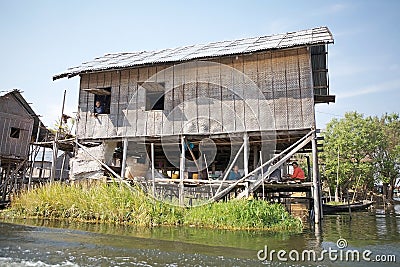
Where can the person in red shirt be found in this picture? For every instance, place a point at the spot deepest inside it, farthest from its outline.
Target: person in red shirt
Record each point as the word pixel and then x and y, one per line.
pixel 298 173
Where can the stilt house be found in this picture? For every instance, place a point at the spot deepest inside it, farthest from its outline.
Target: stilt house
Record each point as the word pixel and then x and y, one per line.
pixel 19 126
pixel 194 107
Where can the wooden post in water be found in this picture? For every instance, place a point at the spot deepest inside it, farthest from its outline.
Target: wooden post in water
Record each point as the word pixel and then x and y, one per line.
pixel 246 160
pixel 316 192
pixel 124 153
pixel 246 154
pixel 152 169
pixel 262 175
pixel 182 172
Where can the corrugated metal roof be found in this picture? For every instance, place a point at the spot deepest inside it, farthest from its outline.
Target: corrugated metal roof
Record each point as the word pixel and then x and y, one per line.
pixel 320 35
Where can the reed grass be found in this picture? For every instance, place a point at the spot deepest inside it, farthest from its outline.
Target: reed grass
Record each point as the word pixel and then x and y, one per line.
pixel 115 203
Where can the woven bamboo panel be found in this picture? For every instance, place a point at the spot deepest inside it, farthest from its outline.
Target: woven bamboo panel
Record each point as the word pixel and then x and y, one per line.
pixel 281 114
pixel 305 70
pixel 295 109
pixel 190 94
pixel 292 73
pixel 215 109
pixel 238 89
pixel 203 105
pixel 279 69
pixel 250 67
pixel 308 112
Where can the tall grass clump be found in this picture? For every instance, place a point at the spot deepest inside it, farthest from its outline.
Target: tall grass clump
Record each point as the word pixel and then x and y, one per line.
pixel 243 214
pixel 109 203
pixel 115 203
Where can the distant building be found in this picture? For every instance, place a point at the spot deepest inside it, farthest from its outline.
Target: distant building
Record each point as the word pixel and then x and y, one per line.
pixel 19 126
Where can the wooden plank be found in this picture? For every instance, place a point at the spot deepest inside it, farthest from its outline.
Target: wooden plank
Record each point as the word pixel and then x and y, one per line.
pixel 107 78
pixel 98 91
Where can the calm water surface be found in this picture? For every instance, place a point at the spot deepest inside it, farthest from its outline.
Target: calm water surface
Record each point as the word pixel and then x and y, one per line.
pixel 59 243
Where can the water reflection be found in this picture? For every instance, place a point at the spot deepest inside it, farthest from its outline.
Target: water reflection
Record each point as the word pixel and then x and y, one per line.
pixel 103 244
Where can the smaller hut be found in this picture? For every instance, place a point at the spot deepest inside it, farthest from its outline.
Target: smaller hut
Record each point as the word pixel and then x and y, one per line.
pixel 19 126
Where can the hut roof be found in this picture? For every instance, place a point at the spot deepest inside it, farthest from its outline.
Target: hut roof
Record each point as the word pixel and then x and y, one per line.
pixel 17 95
pixel 315 36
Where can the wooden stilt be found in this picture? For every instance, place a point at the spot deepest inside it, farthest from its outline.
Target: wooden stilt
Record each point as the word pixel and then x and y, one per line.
pixel 262 175
pixel 316 190
pixel 246 153
pixel 152 170
pixel 182 172
pixel 124 153
pixel 246 160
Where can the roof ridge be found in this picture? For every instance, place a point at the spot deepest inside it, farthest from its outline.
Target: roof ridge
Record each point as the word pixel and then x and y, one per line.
pixel 316 35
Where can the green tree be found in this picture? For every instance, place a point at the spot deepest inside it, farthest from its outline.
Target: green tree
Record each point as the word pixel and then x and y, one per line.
pixel 348 146
pixel 387 152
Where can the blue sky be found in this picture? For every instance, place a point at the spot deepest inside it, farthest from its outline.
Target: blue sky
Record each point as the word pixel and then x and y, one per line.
pixel 43 38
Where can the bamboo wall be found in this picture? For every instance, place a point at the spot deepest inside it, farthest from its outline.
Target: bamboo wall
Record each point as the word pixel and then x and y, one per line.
pixel 13 115
pixel 275 94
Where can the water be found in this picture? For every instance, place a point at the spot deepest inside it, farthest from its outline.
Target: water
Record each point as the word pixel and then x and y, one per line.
pixel 59 243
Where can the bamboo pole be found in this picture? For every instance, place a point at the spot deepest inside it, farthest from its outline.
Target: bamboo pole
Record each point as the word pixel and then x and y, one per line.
pixel 104 165
pixel 229 169
pixel 182 172
pixel 55 143
pixel 62 166
pixel 193 157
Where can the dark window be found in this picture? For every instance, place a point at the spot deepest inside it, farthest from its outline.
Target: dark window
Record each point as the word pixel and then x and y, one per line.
pixel 14 133
pixel 103 96
pixel 155 99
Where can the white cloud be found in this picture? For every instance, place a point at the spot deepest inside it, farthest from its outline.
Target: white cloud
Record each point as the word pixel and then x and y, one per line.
pixel 382 87
pixel 336 8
